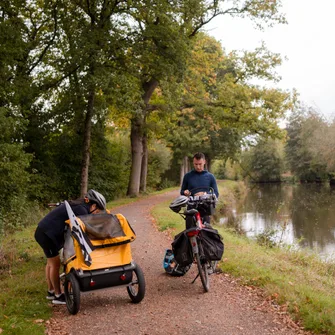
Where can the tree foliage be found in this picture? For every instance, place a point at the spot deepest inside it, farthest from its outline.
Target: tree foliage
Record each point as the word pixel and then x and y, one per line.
pixel 220 108
pixel 265 161
pixel 13 162
pixel 303 158
pixel 322 144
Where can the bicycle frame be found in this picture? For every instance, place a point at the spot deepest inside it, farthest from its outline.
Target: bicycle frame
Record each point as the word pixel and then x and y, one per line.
pixel 193 235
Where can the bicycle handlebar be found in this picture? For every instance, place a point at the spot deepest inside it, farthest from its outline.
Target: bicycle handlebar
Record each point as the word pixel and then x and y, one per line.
pixel 206 198
pixel 195 201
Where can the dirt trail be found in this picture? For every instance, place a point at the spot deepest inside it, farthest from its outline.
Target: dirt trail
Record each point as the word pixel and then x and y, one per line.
pixel 171 306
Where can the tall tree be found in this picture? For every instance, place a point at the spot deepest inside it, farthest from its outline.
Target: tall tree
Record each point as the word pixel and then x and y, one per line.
pixel 163 45
pixel 93 30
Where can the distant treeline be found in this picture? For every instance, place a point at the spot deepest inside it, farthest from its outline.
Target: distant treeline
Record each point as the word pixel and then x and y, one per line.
pixel 305 154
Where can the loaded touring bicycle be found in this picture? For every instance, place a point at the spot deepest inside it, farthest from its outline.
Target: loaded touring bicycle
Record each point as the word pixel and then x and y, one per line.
pixel 199 243
pixel 97 255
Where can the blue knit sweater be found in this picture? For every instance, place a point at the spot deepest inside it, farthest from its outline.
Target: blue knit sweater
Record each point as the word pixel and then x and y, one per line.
pixel 199 182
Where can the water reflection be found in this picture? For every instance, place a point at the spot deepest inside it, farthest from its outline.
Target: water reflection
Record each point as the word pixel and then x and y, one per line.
pixel 301 214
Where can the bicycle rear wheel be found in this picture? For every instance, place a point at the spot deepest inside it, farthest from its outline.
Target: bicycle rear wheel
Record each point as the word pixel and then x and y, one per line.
pixel 203 271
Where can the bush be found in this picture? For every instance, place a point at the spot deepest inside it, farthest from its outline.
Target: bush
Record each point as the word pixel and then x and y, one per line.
pixel 22 214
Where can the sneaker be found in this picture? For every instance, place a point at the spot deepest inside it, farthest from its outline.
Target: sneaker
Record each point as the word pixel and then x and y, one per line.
pixel 59 300
pixel 50 295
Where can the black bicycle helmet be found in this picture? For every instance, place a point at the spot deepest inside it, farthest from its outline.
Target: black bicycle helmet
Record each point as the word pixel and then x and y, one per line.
pixel 97 198
pixel 178 203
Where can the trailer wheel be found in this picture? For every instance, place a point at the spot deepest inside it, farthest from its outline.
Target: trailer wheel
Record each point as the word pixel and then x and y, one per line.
pixel 72 293
pixel 136 289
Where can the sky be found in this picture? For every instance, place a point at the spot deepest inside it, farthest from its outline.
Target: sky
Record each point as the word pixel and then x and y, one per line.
pixel 307 41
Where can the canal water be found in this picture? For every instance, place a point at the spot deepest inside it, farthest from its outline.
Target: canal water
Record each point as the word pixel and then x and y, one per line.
pixel 301 215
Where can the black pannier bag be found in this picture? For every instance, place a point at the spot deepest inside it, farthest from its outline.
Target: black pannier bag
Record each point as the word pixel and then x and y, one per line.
pixel 212 244
pixel 182 249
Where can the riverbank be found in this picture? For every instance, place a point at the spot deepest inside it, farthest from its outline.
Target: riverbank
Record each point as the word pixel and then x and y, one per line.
pixel 299 283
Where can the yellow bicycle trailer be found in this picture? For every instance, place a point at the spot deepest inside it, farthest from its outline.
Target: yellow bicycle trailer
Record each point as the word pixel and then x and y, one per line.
pixel 97 255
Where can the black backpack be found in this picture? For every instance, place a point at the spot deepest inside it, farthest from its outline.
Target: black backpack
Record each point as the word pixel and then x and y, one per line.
pixel 172 267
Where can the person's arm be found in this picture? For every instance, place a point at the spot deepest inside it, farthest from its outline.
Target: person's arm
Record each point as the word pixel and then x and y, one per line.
pixel 215 186
pixel 184 184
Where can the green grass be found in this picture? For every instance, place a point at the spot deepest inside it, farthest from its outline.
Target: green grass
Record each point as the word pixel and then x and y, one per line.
pixel 298 281
pixel 22 285
pixel 302 282
pixel 168 220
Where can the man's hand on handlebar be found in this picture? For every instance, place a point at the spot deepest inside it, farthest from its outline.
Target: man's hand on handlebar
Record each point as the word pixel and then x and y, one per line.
pixel 200 193
pixel 187 193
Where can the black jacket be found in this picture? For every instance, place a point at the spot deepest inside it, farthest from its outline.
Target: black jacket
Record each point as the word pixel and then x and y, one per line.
pixel 53 224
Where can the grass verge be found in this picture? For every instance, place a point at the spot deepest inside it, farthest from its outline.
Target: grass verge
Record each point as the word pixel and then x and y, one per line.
pixel 23 306
pixel 300 282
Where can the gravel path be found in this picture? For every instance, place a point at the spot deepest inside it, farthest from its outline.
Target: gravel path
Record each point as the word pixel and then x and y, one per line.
pixel 171 306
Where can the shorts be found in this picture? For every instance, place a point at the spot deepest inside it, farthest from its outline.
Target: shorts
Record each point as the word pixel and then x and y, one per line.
pixel 46 243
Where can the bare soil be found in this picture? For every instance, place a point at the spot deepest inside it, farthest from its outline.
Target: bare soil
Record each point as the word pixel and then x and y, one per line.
pixel 171 305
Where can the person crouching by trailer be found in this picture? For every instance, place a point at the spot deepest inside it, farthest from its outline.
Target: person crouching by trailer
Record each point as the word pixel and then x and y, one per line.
pixel 49 235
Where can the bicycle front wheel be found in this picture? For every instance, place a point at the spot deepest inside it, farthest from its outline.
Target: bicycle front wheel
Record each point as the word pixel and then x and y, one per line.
pixel 203 272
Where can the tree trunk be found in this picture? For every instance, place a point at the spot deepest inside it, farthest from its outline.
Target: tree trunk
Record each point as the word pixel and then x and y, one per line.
pixel 184 168
pixel 144 167
pixel 181 176
pixel 136 136
pixel 208 164
pixel 87 143
pixel 136 155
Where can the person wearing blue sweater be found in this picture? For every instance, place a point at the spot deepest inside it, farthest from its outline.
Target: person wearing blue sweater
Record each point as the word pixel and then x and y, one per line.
pixel 198 181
